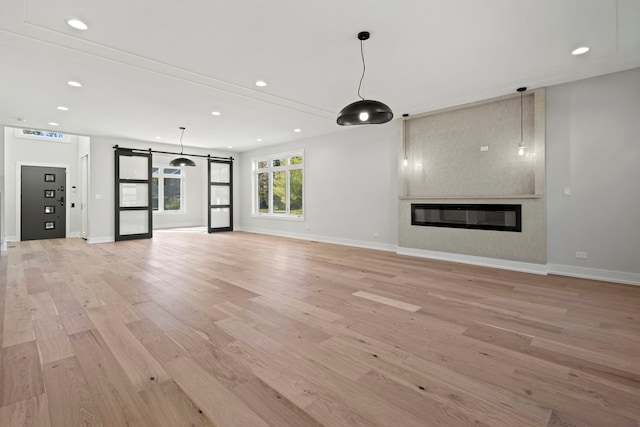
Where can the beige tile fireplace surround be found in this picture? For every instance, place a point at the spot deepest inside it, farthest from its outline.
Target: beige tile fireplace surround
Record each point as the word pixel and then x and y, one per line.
pixel 469 155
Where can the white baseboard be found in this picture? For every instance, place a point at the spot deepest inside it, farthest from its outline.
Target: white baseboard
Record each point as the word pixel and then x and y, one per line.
pixel 526 267
pixel 11 239
pixel 73 235
pixel 107 239
pixel 595 274
pixel 324 239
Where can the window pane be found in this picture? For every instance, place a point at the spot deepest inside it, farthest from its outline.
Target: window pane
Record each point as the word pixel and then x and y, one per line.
pixel 279 192
pixel 172 194
pixel 133 167
pixel 172 171
pixel 220 195
pixel 263 192
pixel 220 218
pixel 262 165
pixel 154 193
pixel 133 195
pixel 134 222
pixel 279 162
pixel 296 160
pixel 295 191
pixel 154 170
pixel 220 172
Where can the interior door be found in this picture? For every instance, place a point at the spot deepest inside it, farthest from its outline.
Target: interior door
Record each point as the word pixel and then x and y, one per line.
pixel 220 195
pixel 133 212
pixel 42 208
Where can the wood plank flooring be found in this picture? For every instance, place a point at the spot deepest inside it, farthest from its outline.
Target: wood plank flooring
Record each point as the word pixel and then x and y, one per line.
pixel 238 329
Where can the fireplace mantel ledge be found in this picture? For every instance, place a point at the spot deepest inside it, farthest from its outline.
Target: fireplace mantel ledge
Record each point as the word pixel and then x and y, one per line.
pixel 514 196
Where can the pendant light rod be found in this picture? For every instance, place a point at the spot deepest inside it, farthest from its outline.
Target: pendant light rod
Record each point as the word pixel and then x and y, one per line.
pixel 521 90
pixel 182 128
pixel 405 116
pixel 362 36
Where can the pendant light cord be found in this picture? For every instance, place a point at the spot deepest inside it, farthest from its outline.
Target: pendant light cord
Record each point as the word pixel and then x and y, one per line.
pixel 181 135
pixel 521 134
pixel 364 69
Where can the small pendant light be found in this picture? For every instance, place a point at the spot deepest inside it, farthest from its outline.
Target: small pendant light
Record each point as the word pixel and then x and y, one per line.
pixel 365 111
pixel 405 161
pixel 182 161
pixel 521 145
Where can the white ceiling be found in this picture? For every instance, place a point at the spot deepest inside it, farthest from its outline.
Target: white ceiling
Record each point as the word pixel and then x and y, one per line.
pixel 150 66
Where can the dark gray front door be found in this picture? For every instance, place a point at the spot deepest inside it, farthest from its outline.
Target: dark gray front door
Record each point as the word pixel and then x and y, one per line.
pixel 43 210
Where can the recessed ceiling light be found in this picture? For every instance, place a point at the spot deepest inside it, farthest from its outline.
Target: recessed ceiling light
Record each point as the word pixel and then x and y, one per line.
pixel 61 108
pixel 229 146
pixel 158 137
pixel 53 124
pixel 21 120
pixel 74 83
pixel 77 24
pixel 259 139
pixel 580 50
pixel 261 83
pixel 297 130
pixel 215 113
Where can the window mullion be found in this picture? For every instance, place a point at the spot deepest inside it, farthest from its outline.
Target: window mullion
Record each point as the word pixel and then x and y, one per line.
pixel 271 191
pixel 288 195
pixel 160 191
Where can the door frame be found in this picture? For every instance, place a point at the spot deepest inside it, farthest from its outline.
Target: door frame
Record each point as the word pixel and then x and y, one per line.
pixel 85 176
pixel 67 185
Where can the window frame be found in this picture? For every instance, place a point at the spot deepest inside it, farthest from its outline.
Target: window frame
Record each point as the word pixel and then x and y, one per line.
pixel 255 196
pixel 160 175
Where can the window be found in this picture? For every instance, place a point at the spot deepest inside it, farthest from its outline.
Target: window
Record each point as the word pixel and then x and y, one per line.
pixel 166 189
pixel 278 185
pixel 42 135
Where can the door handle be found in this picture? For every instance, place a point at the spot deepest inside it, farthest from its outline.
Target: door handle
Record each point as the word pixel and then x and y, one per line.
pixel 61 200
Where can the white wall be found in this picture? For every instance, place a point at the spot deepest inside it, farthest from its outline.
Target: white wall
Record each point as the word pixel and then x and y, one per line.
pixel 2 201
pixel 593 147
pixel 101 196
pixel 350 188
pixel 40 153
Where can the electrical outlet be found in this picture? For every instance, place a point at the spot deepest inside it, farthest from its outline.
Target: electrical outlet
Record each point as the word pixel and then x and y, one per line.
pixel 582 255
pixel 566 192
pixel 484 148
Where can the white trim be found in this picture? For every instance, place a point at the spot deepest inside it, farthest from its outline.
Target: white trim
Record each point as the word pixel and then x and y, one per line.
pixel 73 235
pixel 324 239
pixel 282 217
pixel 525 267
pixel 9 239
pixel 67 185
pixel 93 240
pixel 595 274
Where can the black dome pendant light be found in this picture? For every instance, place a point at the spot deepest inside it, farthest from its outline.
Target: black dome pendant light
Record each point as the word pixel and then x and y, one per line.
pixel 365 111
pixel 182 161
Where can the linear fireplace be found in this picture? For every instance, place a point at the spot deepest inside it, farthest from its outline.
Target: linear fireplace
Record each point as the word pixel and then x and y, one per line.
pixel 475 216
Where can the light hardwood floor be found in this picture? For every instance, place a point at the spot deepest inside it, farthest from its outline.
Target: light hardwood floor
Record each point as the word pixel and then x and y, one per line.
pixel 237 329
